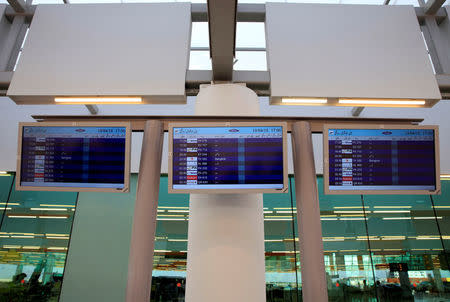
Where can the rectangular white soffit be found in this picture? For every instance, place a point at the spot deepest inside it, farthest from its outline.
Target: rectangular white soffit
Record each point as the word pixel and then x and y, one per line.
pixel 105 50
pixel 362 52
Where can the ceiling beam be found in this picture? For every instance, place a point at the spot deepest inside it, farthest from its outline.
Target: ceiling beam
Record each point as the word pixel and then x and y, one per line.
pixel 432 6
pixel 222 36
pixel 356 111
pixel 93 109
pixel 246 12
pixel 18 5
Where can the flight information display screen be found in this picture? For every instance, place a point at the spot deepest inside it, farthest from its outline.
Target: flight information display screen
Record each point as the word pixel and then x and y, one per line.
pixel 74 157
pixel 250 157
pixel 381 159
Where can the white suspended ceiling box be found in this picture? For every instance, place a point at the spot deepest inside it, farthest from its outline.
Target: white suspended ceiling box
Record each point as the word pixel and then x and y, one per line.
pixel 347 51
pixel 105 50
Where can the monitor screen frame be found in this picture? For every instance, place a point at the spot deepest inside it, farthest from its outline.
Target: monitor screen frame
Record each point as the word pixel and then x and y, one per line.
pixel 228 124
pixel 326 170
pixel 126 187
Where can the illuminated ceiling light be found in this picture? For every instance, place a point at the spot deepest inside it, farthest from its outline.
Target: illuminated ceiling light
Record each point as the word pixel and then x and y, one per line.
pixel 391 211
pixel 11 246
pixel 393 238
pixel 352 218
pixel 57 205
pixel 304 101
pixel 98 100
pixel 21 236
pixel 429 217
pixel 376 102
pixel 25 247
pixel 52 237
pixel 21 216
pixel 177 240
pixel 57 248
pixel 4 173
pixel 49 234
pixel 445 176
pixel 273 240
pixel 442 207
pixel 48 209
pixel 178 211
pixel 427 238
pixel 350 212
pixel 396 218
pixel 391 207
pixel 53 217
pixel 353 207
pixel 10 203
pixel 333 239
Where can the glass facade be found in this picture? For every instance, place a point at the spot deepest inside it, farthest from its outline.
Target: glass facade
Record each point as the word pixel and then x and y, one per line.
pixel 377 247
pixel 34 238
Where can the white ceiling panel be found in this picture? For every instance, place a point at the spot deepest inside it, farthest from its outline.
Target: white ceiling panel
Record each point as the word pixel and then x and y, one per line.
pixel 352 51
pixel 105 50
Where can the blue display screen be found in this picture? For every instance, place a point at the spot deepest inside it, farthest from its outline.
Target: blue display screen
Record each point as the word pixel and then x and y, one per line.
pixel 227 158
pixel 381 159
pixel 87 157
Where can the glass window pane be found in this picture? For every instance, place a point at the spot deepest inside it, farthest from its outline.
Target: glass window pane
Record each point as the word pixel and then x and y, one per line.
pixel 442 207
pixel 34 237
pixel 406 247
pixel 200 34
pixel 251 60
pixel 199 60
pixel 250 34
pixel 283 283
pixel 404 2
pixel 346 249
pixel 169 260
pixel 48 2
pixel 369 2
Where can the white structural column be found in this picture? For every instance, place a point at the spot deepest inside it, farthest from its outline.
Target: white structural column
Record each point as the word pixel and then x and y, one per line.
pixel 144 223
pixel 225 259
pixel 314 285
